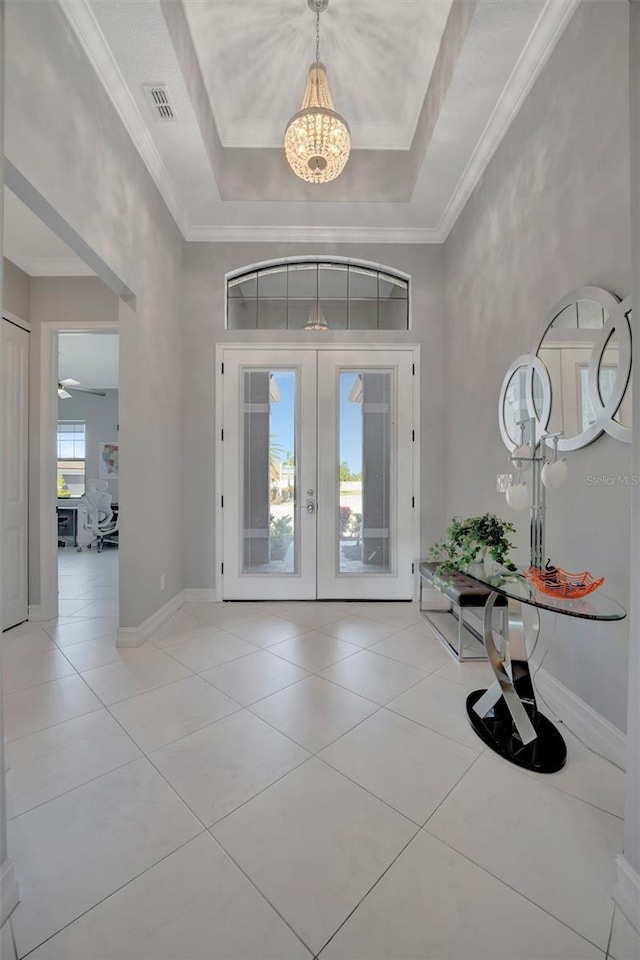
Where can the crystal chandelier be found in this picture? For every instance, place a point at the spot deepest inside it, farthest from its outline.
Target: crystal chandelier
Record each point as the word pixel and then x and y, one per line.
pixel 317 140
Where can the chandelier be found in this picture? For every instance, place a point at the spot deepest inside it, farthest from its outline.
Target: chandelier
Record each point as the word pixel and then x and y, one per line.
pixel 317 140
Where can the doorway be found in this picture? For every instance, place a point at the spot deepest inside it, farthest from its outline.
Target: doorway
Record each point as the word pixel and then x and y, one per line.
pixel 15 489
pixel 319 473
pixel 87 462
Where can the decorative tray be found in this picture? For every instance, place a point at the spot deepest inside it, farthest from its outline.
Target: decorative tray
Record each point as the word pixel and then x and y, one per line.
pixel 556 582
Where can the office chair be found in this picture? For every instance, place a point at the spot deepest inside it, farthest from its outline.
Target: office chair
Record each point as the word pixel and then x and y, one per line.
pixel 96 523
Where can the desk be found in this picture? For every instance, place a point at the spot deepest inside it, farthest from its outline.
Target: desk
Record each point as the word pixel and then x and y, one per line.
pixel 68 507
pixel 506 716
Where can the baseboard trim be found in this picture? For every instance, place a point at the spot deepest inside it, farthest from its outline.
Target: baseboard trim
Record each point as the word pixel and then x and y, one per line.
pixel 135 636
pixel 201 595
pixel 9 894
pixel 587 724
pixel 35 612
pixel 626 891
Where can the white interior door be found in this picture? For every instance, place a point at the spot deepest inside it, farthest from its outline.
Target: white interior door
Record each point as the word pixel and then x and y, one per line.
pixel 15 358
pixel 318 474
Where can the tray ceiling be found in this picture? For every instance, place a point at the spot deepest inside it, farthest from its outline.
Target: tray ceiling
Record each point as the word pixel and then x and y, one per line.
pixel 429 87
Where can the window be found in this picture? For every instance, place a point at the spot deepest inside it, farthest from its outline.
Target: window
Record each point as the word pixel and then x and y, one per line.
pixel 71 458
pixel 317 295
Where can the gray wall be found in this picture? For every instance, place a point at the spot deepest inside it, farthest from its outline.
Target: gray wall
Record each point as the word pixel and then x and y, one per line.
pixel 100 415
pixel 15 291
pixel 205 268
pixel 551 213
pixel 92 175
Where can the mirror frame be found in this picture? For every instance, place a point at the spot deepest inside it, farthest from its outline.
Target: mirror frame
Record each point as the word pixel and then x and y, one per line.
pixel 610 303
pixel 532 364
pixel 618 321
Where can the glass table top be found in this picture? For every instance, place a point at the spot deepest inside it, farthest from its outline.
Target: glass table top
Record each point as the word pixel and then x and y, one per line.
pixel 595 606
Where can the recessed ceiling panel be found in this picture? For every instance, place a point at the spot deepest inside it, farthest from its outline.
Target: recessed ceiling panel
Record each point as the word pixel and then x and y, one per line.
pixel 254 56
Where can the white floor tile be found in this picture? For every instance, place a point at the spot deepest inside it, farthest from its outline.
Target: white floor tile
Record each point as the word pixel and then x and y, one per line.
pixel 433 903
pixel 39 707
pixel 359 630
pixel 67 608
pixel 253 677
pixel 97 653
pixel 400 614
pixel 267 630
pixel 75 850
pixel 625 939
pixel 203 653
pixel 373 676
pixel 180 627
pixel 416 649
pixel 585 775
pixel 38 668
pixel 314 615
pixel 440 705
pixel 195 904
pixel 314 712
pixel 98 608
pixel 160 716
pixel 473 674
pixel 47 764
pixel 314 651
pixel 135 675
pixel 314 843
pixel 409 767
pixel 99 591
pixel 225 764
pixel 79 629
pixel 21 642
pixel 222 615
pixel 526 824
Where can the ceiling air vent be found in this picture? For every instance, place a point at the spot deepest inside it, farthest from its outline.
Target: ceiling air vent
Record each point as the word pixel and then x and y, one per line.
pixel 158 97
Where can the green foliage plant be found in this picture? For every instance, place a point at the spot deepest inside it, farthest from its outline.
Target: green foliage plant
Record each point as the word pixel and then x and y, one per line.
pixel 467 541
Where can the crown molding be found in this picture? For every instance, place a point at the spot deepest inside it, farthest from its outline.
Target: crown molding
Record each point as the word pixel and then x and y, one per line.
pixel 311 234
pixel 550 26
pixel 93 42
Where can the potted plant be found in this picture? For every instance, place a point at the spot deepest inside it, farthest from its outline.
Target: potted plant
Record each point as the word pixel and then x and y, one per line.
pixel 472 540
pixel 280 536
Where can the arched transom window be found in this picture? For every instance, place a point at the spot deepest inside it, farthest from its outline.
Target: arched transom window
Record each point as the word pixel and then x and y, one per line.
pixel 308 294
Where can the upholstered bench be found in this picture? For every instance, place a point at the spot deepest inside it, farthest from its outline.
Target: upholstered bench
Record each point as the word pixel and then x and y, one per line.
pixel 462 638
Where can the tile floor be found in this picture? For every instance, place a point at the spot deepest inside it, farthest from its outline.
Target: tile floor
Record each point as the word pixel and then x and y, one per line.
pixel 285 780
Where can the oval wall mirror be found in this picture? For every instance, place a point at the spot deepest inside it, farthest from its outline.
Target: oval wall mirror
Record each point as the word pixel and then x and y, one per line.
pixel 572 335
pixel 514 404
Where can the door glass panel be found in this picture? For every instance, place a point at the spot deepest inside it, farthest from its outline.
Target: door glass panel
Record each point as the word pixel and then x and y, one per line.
pixel 364 472
pixel 269 535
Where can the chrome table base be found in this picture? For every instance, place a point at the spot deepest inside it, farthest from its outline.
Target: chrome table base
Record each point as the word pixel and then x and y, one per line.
pixel 506 716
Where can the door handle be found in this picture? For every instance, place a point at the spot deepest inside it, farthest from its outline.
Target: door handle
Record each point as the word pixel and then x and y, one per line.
pixel 311 506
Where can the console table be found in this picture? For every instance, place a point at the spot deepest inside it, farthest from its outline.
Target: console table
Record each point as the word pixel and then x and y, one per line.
pixel 506 716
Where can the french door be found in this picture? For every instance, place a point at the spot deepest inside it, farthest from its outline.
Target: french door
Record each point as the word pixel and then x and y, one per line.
pixel 317 477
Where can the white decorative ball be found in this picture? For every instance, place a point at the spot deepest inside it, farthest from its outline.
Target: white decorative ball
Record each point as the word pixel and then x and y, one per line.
pixel 523 453
pixel 554 475
pixel 518 496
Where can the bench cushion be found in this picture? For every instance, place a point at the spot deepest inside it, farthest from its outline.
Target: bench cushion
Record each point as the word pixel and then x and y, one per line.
pixel 464 591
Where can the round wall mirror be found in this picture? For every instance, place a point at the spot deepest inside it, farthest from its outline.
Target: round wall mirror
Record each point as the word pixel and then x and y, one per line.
pixel 573 333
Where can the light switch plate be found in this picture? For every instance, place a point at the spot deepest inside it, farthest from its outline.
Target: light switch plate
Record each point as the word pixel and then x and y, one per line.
pixel 503 482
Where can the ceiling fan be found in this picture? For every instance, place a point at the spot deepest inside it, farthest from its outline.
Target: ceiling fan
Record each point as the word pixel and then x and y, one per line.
pixel 74 385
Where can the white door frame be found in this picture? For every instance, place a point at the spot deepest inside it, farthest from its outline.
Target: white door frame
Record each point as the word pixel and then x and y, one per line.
pixel 414 348
pixel 49 330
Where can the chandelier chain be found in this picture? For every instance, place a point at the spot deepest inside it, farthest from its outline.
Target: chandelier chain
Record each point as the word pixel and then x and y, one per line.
pixel 317 36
